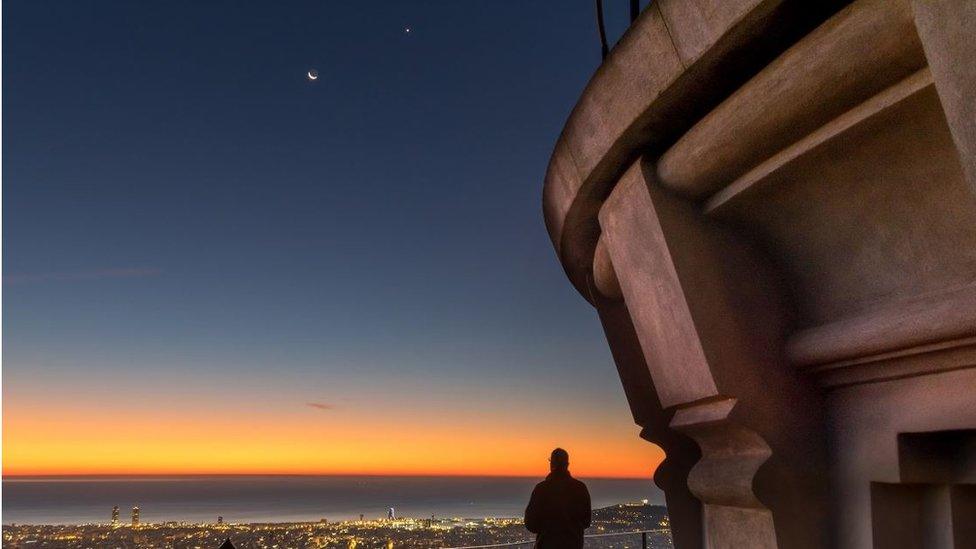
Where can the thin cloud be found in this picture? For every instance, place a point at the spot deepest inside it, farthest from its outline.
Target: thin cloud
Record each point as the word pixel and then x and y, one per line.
pixel 320 405
pixel 100 274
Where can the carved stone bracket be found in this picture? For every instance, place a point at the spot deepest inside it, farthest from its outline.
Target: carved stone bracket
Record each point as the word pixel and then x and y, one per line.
pixel 713 370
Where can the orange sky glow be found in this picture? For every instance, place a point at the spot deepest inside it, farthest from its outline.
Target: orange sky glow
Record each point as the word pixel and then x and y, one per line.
pixel 311 440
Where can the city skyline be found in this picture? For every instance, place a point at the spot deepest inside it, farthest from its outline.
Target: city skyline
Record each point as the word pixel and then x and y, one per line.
pixel 616 526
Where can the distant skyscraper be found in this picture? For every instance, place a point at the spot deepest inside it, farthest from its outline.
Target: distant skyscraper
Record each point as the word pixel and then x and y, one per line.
pixel 360 517
pixel 135 516
pixel 115 515
pixel 391 514
pixel 220 520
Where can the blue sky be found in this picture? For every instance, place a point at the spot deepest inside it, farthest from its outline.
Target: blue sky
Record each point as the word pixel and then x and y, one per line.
pixel 182 206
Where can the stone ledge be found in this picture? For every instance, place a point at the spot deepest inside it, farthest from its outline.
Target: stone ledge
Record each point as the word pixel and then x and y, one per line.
pixel 905 324
pixel 864 49
pixel 669 69
pixel 888 98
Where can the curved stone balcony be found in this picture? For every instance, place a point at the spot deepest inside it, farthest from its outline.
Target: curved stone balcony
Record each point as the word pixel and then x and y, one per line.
pixel 772 206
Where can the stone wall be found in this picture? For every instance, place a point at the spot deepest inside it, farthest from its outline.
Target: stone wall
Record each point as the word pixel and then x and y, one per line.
pixel 772 206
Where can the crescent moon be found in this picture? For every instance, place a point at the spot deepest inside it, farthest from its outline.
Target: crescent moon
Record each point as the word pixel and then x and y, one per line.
pixel 312 76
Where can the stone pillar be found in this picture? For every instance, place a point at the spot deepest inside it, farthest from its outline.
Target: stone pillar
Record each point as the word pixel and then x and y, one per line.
pixel 708 319
pixel 681 452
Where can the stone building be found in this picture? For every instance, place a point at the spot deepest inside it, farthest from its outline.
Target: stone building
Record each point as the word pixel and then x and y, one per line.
pixel 772 207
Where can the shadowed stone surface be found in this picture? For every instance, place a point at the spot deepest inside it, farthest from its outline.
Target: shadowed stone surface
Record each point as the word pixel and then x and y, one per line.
pixel 772 206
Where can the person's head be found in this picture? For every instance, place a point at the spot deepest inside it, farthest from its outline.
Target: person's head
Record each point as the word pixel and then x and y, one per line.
pixel 559 460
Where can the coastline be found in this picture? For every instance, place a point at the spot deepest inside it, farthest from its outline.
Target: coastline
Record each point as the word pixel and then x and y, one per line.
pixel 285 499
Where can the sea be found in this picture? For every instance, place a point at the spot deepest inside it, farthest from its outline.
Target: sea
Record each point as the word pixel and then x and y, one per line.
pixel 256 499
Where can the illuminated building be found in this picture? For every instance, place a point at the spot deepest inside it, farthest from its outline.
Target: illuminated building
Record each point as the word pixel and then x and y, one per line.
pixel 391 514
pixel 376 534
pixel 135 516
pixel 115 515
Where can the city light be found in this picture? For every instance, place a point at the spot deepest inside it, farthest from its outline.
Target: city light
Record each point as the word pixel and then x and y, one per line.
pixel 401 532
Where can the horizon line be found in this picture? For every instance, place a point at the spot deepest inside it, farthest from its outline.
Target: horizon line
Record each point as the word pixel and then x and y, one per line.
pixel 56 476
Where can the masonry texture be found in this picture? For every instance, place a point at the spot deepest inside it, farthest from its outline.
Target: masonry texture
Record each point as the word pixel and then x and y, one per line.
pixel 772 206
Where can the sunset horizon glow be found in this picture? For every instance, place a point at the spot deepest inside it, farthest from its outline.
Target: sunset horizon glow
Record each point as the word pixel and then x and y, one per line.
pixel 140 460
pixel 144 435
pixel 626 469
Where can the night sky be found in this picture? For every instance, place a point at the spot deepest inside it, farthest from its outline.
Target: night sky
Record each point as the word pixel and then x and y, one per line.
pixel 212 264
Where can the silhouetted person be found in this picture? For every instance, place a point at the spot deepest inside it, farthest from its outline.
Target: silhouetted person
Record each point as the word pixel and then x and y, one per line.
pixel 559 509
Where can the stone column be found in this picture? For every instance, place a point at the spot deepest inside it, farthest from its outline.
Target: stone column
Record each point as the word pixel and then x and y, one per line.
pixel 681 452
pixel 709 321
